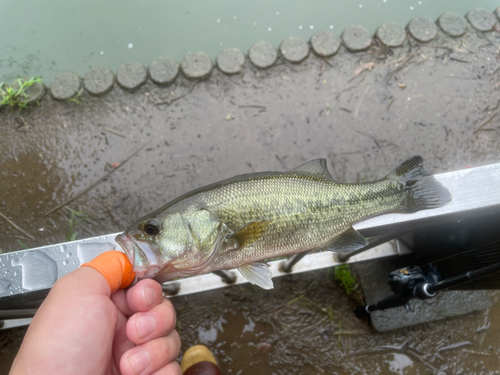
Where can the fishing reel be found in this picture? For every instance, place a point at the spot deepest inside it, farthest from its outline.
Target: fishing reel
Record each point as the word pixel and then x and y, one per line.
pixel 410 282
pixel 415 282
pixel 406 283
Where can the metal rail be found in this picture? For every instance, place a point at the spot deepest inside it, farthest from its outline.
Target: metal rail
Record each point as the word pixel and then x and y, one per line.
pixel 27 276
pixel 211 281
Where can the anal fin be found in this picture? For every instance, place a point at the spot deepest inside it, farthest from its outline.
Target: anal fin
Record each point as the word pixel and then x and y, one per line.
pixel 349 240
pixel 258 274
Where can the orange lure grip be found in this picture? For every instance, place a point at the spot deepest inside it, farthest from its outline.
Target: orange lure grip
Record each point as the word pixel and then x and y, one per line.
pixel 115 267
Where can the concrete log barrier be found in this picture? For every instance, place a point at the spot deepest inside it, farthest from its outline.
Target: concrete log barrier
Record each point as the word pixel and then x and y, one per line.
pixel 131 76
pixel 163 71
pixel 230 61
pixel 65 86
pixel 197 65
pixel 422 29
pixel 452 24
pixel 481 19
pixel 325 43
pixel 356 38
pixel 294 49
pixel 99 81
pixel 391 34
pixel 263 54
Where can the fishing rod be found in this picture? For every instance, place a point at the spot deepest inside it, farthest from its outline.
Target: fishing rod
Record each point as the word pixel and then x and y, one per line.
pixel 413 282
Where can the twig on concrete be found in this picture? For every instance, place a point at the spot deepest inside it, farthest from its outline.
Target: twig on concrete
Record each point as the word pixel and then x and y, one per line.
pixel 361 101
pixel 95 183
pixel 323 67
pixel 169 101
pixel 483 36
pixel 368 66
pixel 487 109
pixel 252 106
pixel 281 162
pixel 325 63
pixel 485 122
pixel 458 60
pixel 344 90
pixel 20 120
pixel 17 226
pixel 348 333
pixel 113 132
pixel 389 105
pixel 381 144
pixel 455 346
pixel 400 64
pixel 339 178
pixel 145 101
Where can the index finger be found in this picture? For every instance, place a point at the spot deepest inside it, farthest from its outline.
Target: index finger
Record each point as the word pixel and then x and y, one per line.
pixel 142 297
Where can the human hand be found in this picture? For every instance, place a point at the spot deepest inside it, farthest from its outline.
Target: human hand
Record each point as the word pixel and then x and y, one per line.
pixel 82 329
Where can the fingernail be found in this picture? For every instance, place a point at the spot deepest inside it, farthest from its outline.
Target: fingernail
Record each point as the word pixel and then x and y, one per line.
pixel 139 361
pixel 149 296
pixel 145 325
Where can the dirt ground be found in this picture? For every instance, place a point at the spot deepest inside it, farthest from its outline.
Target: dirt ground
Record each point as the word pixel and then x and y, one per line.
pixel 418 99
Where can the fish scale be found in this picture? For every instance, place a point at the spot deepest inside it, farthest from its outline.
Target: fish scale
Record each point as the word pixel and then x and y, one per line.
pixel 241 221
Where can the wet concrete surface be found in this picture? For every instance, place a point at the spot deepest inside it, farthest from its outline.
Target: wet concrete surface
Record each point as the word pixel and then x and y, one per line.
pixel 306 326
pixel 418 99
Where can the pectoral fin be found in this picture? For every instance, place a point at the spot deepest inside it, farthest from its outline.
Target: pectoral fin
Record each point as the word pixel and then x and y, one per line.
pixel 249 233
pixel 349 240
pixel 258 274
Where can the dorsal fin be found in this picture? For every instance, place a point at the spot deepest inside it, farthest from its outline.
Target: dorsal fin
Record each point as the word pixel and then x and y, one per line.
pixel 316 166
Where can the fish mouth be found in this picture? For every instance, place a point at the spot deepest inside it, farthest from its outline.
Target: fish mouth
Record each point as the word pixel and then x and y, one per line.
pixel 144 255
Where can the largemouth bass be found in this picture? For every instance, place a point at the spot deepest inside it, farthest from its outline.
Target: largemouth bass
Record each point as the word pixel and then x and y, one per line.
pixel 243 220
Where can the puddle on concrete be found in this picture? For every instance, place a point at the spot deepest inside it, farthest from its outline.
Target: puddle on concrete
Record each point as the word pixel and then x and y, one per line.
pixel 364 127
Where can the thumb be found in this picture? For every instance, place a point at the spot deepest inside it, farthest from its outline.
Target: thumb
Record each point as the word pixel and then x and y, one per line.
pixel 116 269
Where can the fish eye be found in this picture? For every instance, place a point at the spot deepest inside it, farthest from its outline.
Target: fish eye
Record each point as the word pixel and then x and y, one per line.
pixel 151 228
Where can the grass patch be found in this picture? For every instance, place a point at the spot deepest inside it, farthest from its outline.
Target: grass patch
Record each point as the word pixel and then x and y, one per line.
pixel 295 300
pixel 77 98
pixel 15 95
pixel 76 217
pixel 347 280
pixel 22 244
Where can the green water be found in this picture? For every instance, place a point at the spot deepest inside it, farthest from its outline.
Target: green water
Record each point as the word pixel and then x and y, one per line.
pixel 48 37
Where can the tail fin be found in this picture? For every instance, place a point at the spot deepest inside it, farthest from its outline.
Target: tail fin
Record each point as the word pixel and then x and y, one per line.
pixel 423 191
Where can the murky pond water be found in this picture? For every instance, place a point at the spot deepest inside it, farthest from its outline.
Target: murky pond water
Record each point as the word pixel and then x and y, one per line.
pixel 55 37
pixel 277 120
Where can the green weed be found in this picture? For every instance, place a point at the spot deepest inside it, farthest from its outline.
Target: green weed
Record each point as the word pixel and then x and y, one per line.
pixel 344 276
pixel 76 217
pixel 329 110
pixel 77 97
pixel 295 300
pixel 330 314
pixel 22 244
pixel 15 95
